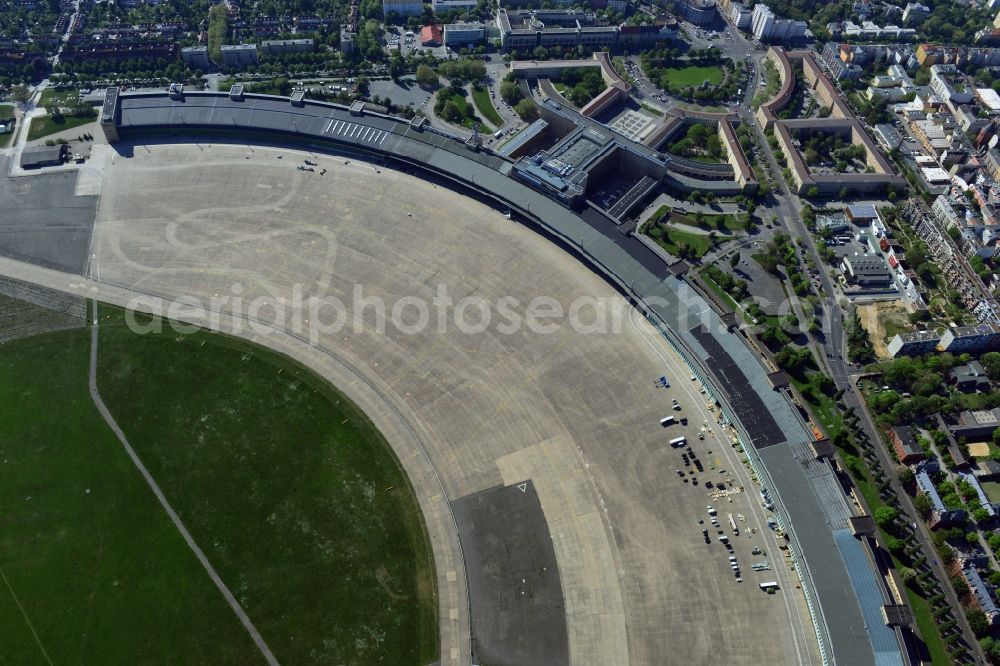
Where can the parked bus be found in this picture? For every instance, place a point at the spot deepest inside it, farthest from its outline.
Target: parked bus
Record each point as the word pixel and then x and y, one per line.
pixel 678 442
pixel 770 586
pixel 667 421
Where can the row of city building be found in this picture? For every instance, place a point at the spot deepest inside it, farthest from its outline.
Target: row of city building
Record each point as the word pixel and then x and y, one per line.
pixel 763 23
pixel 525 30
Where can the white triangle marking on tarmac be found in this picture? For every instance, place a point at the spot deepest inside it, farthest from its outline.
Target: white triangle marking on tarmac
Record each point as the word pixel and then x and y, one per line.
pixel 523 487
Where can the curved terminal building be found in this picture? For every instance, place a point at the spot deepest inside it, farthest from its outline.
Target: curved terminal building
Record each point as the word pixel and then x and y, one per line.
pixel 849 601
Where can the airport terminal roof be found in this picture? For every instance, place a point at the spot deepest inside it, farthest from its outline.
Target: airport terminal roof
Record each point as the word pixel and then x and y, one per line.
pixel 522 137
pixel 767 417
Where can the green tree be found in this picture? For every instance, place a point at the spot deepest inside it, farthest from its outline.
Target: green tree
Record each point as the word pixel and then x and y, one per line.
pixel 20 93
pixel 978 622
pixel 991 363
pixel 922 503
pixel 218 31
pixel 451 112
pixel 885 515
pixel 510 92
pixel 525 109
pixel 426 76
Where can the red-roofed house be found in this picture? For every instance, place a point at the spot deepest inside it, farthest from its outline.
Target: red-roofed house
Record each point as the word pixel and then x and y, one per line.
pixel 431 35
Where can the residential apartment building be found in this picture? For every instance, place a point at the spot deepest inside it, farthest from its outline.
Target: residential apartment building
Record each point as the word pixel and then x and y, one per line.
pixel 442 6
pixel 239 55
pixel 941 515
pixel 698 12
pixel 196 57
pixel 282 46
pixel 917 343
pixel 932 54
pixel 908 450
pixel 740 15
pixel 971 339
pixel 402 7
pixel 766 26
pixel 915 14
pixel 982 592
pixel 461 35
pixel 946 84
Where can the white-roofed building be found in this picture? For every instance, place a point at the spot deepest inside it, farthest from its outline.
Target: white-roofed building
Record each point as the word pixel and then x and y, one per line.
pixel 989 98
pixel 935 175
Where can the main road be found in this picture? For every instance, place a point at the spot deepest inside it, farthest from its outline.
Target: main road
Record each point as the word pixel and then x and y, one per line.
pixel 831 351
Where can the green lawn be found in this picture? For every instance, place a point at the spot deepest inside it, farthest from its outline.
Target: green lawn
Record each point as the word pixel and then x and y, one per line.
pixel 709 221
pixel 295 498
pixel 693 75
pixel 52 96
pixel 102 576
pixel 465 107
pixel 992 490
pixel 481 98
pixel 45 125
pixel 670 239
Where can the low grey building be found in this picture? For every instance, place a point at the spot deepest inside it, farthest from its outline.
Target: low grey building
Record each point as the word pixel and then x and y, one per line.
pixel 867 270
pixel 888 136
pixel 42 156
pixel 970 377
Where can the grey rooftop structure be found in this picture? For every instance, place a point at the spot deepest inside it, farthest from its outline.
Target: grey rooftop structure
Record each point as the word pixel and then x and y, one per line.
pixel 809 502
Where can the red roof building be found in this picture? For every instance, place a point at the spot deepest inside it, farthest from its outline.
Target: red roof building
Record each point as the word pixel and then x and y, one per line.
pixel 431 35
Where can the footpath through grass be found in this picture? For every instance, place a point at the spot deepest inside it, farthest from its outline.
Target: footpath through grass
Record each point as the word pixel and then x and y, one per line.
pixel 671 240
pixel 295 498
pixel 481 98
pixel 100 572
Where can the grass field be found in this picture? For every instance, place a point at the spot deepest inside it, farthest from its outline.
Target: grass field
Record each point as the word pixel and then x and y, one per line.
pixel 99 571
pixel 992 490
pixel 466 107
pixel 693 75
pixel 481 98
pixel 670 239
pixel 709 221
pixel 53 96
pixel 294 497
pixel 45 125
